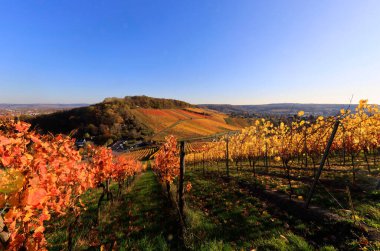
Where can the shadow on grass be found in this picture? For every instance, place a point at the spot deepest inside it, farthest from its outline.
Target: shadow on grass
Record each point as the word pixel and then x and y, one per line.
pixel 221 212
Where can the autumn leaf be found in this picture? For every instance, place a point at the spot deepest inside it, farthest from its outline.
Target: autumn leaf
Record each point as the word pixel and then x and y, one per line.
pixel 35 196
pixel 22 126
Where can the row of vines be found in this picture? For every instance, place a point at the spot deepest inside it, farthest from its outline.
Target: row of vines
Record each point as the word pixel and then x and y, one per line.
pixel 298 145
pixel 43 177
pixel 301 142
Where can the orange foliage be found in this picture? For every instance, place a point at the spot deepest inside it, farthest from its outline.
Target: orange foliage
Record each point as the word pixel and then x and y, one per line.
pixel 45 175
pixel 167 160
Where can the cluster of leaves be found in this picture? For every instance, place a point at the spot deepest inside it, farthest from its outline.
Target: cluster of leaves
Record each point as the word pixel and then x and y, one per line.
pixel 44 177
pixel 167 161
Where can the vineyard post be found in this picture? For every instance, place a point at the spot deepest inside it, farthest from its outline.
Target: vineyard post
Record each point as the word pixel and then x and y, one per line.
pixel 203 163
pixel 351 204
pixel 344 146
pixel 374 157
pixel 266 157
pixel 305 147
pixel 325 154
pixel 181 201
pixel 194 160
pixel 227 157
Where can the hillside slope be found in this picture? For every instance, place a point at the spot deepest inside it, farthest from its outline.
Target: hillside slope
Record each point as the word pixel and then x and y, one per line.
pixel 183 123
pixel 135 118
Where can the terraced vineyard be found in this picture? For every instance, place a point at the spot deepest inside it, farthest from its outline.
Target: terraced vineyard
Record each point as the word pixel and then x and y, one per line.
pixel 142 154
pixel 184 123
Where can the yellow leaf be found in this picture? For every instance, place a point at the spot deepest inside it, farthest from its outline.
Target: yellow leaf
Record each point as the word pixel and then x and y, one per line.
pixel 11 181
pixel 300 113
pixel 28 215
pixel 39 229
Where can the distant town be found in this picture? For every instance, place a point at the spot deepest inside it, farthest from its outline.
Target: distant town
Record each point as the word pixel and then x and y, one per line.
pixel 34 109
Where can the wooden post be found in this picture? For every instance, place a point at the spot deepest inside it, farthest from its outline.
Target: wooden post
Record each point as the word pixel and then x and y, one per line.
pixel 266 158
pixel 203 163
pixel 374 157
pixel 181 202
pixel 325 154
pixel 344 148
pixel 194 160
pixel 305 148
pixel 351 204
pixel 227 157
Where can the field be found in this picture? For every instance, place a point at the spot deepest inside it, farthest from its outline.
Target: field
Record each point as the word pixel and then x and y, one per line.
pixel 185 123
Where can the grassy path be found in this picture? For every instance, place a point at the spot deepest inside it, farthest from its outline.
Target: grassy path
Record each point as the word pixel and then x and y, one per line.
pixel 152 227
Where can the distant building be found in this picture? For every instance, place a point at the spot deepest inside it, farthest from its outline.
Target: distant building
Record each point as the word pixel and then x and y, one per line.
pixel 80 143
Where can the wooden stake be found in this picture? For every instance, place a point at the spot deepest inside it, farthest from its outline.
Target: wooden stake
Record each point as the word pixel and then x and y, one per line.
pixel 325 155
pixel 181 201
pixel 227 157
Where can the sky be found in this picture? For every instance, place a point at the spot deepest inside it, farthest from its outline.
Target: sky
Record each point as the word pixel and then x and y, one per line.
pixel 199 51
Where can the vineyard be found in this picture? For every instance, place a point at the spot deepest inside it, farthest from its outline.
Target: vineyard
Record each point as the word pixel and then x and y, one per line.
pixel 299 185
pixel 315 183
pixel 141 154
pixel 184 123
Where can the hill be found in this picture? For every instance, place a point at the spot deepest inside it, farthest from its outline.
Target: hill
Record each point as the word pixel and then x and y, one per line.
pixel 135 118
pixel 278 109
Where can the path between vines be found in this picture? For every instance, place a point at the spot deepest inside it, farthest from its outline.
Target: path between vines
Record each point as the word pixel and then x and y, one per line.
pixel 149 215
pixel 140 219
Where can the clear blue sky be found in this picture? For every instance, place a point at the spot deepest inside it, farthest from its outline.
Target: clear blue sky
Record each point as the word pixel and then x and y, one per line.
pixel 235 51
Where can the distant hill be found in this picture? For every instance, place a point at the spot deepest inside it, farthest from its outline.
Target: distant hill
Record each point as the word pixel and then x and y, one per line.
pixel 279 109
pixel 40 106
pixel 136 118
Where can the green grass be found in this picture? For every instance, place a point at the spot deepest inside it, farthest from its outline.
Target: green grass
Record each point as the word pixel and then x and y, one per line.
pixel 222 214
pixel 366 204
pixel 139 220
pixel 225 213
pixel 287 242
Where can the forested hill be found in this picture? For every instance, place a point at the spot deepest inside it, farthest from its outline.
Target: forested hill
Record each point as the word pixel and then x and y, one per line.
pixel 149 102
pixel 136 118
pixel 110 120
